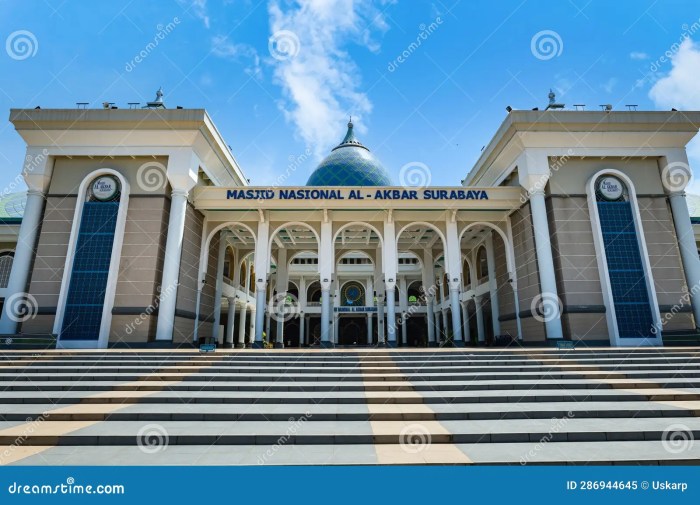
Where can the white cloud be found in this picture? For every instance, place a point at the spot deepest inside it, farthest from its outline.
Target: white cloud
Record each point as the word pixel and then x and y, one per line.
pixel 320 80
pixel 198 8
pixel 222 47
pixel 681 87
pixel 638 55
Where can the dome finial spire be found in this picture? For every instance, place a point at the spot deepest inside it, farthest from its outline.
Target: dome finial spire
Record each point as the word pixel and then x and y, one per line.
pixel 350 138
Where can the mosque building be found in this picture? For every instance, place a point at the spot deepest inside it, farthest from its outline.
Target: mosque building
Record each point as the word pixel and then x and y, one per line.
pixel 139 228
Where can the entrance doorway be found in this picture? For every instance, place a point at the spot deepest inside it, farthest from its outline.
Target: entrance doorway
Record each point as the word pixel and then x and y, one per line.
pixel 291 333
pixel 314 330
pixel 416 332
pixel 352 330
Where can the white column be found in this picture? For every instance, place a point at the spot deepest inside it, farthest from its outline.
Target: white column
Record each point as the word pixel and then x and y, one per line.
pixel 336 326
pixel 171 265
pixel 481 330
pixel 545 263
pixel 689 252
pixel 369 302
pixel 443 310
pixel 262 269
pixel 241 326
pixel 429 292
pixel 325 316
pixel 390 288
pixel 182 172
pixel 251 330
pixel 390 264
pixel 465 323
pixel 453 263
pixel 302 310
pixel 230 321
pixel 493 284
pixel 404 328
pixel 370 330
pixel 24 256
pixel 403 307
pixel 431 320
pixel 381 333
pixel 280 299
pixel 219 286
pixel 378 286
pixel 37 170
pixel 326 267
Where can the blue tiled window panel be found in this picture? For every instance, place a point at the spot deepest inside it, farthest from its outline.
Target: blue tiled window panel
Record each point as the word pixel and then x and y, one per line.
pixel 627 278
pixel 88 283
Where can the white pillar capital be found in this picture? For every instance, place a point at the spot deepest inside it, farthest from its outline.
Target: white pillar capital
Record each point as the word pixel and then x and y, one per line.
pixel 182 170
pixel 37 169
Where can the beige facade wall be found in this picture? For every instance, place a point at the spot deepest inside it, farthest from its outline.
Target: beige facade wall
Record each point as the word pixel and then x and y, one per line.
pixel 50 261
pixel 526 272
pixel 576 269
pixel 572 175
pixel 572 236
pixel 135 316
pixel 187 289
pixel 68 173
pixel 665 260
pixel 141 263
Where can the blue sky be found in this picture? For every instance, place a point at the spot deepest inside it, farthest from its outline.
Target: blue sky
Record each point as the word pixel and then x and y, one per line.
pixel 276 99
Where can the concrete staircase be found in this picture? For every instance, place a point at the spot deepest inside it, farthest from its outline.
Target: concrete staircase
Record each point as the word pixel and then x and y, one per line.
pixel 525 406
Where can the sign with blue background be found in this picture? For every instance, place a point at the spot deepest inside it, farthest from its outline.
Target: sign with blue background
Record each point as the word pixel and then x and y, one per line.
pixel 356 194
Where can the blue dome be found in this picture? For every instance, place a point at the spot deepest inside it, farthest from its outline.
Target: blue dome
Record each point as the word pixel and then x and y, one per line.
pixel 349 164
